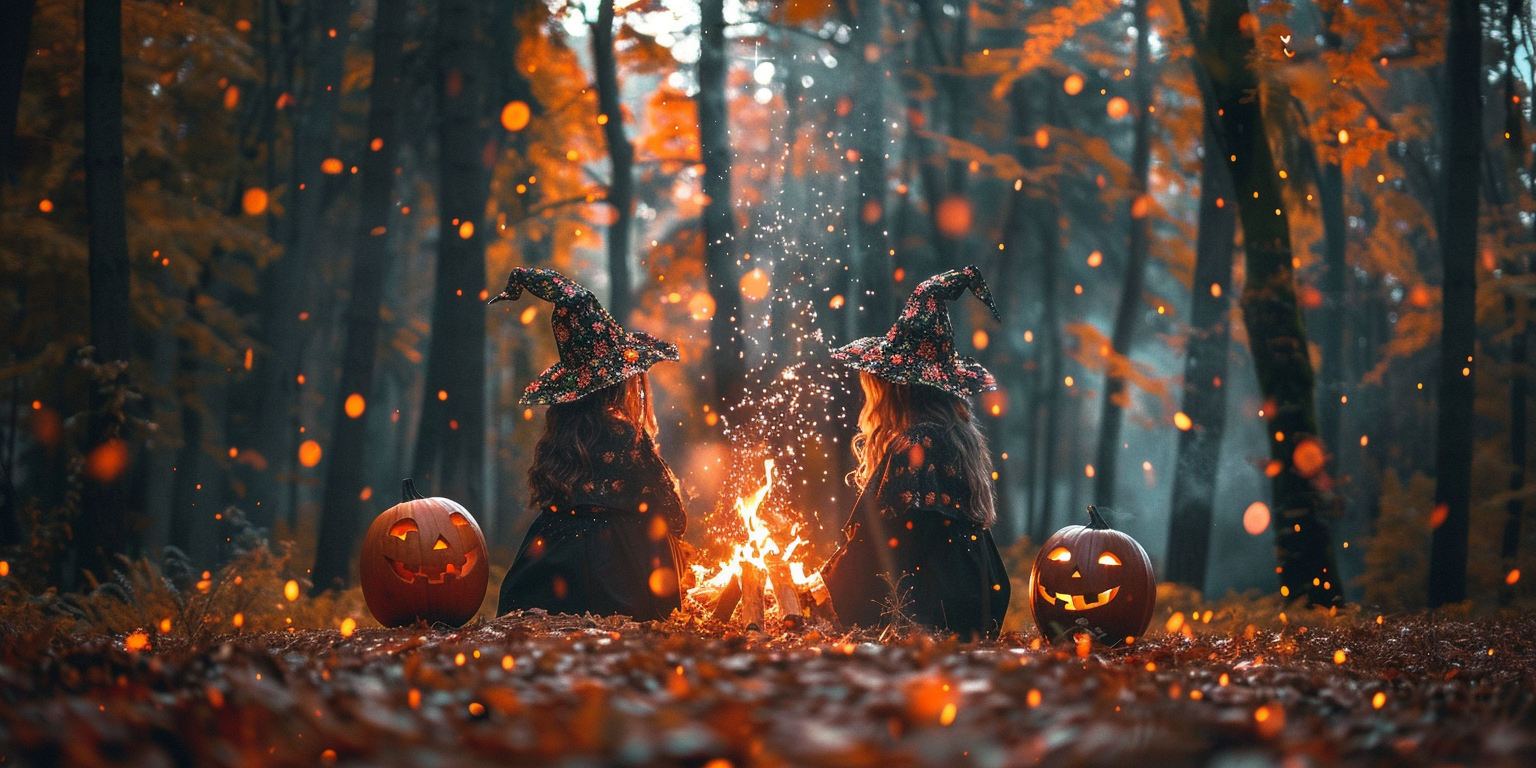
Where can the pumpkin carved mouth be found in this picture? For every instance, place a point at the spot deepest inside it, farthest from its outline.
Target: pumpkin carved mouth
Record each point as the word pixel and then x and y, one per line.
pixel 457 571
pixel 1079 602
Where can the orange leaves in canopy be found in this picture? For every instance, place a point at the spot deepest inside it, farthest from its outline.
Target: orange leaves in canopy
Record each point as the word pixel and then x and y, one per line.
pixel 805 11
pixel 640 54
pixel 1002 166
pixel 1045 32
pixel 671 131
pixel 1091 349
pixel 1412 333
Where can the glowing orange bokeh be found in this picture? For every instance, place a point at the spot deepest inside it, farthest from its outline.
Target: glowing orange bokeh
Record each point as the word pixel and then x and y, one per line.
pixel 954 217
pixel 701 306
pixel 755 285
pixel 107 461
pixel 309 453
pixel 1256 518
pixel 1308 458
pixel 515 116
pixel 254 201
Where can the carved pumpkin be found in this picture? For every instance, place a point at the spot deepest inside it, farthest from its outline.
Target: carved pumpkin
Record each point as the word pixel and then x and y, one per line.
pixel 1092 579
pixel 424 559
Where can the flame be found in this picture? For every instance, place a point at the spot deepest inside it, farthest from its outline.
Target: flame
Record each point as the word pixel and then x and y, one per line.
pixel 757 547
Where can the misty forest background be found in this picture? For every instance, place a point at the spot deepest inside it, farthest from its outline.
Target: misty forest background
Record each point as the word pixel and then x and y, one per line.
pixel 1264 271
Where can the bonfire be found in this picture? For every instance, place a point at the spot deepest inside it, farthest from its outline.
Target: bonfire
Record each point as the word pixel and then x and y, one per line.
pixel 760 578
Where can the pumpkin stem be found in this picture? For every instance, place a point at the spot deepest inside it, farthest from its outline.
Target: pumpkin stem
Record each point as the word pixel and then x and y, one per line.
pixel 1095 520
pixel 408 491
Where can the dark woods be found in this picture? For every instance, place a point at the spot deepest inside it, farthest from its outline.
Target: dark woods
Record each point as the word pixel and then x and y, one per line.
pixel 1262 268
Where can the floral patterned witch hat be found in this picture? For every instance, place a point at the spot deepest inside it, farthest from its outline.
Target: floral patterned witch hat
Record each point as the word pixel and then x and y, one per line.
pixel 595 351
pixel 920 347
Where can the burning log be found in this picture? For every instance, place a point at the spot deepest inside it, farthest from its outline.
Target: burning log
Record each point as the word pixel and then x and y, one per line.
pixel 738 585
pixel 751 615
pixel 784 592
pixel 821 601
pixel 725 605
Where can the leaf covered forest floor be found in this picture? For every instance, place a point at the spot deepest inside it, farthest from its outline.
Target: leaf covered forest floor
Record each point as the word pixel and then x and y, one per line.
pixel 539 690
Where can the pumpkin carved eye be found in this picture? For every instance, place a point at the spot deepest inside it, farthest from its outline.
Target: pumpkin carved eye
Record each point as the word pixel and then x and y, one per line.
pixel 1060 555
pixel 458 519
pixel 1108 558
pixel 400 529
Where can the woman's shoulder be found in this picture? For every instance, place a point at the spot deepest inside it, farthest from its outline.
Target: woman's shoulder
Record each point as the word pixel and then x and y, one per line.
pixel 617 433
pixel 925 436
pixel 924 454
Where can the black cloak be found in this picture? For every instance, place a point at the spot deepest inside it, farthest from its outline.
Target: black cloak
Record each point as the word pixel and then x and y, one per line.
pixel 612 547
pixel 911 526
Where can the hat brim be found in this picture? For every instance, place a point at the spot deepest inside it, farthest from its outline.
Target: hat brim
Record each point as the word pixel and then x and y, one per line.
pixel 561 383
pixel 959 376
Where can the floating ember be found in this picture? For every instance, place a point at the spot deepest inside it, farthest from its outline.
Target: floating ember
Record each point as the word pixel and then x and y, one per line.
pixel 758 567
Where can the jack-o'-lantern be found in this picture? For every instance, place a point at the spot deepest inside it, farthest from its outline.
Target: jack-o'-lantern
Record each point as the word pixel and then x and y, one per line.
pixel 424 559
pixel 1092 580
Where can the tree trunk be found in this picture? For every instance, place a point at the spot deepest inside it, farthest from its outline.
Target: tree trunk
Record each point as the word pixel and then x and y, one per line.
pixel 288 286
pixel 621 155
pixel 1047 436
pixel 1462 135
pixel 1007 436
pixel 1519 391
pixel 1116 398
pixel 15 45
pixel 1519 311
pixel 1276 335
pixel 450 444
pixel 953 252
pixel 876 290
pixel 102 529
pixel 160 469
pixel 728 365
pixel 1333 333
pixel 344 478
pixel 1205 370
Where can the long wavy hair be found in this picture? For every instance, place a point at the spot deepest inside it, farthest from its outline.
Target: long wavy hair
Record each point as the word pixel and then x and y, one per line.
pixel 563 457
pixel 890 409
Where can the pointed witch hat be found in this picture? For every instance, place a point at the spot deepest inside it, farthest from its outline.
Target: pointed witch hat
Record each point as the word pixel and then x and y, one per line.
pixel 920 347
pixel 595 351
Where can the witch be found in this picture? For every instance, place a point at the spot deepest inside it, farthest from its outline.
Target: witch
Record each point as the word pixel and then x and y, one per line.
pixel 610 517
pixel 918 541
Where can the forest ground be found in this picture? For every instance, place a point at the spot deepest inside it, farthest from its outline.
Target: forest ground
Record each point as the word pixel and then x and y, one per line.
pixel 539 690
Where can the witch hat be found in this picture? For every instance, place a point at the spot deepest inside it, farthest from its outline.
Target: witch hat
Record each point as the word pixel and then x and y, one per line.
pixel 595 351
pixel 920 347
